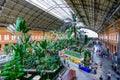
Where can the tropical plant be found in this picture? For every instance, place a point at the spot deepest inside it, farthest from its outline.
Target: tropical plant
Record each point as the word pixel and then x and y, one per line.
pixel 90 43
pixel 87 57
pixel 13 69
pixel 58 34
pixel 79 36
pixel 69 32
pixel 86 39
pixel 71 23
pixel 39 55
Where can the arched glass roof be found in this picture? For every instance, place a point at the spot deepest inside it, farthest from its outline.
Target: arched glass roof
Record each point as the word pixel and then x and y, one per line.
pixel 49 14
pixel 58 8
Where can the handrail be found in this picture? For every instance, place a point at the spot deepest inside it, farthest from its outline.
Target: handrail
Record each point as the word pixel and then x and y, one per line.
pixel 61 72
pixel 34 70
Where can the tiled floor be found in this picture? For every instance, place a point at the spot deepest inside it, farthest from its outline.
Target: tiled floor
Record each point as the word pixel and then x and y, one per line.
pixel 81 75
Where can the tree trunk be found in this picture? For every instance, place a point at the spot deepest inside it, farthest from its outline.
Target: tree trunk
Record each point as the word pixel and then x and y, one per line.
pixel 74 32
pixel 118 48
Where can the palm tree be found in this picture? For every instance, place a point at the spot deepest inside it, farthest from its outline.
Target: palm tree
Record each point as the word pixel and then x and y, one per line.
pixel 71 23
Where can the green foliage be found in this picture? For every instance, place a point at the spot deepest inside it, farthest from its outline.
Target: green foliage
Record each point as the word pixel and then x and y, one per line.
pixel 90 44
pixel 13 69
pixel 47 63
pixel 71 23
pixel 87 53
pixel 21 26
pixel 44 58
pixel 59 44
pixel 86 39
pixel 43 44
pixel 87 57
pixel 69 32
pixel 57 33
pixel 31 61
pixel 75 54
pixel 39 55
pixel 8 48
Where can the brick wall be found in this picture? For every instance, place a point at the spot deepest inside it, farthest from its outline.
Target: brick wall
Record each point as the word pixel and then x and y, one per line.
pixel 110 36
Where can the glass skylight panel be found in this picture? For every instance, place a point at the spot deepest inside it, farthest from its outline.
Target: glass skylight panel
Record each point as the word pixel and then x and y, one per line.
pixel 58 8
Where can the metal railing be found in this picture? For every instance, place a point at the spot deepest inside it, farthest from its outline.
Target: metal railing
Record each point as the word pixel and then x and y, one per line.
pixel 61 73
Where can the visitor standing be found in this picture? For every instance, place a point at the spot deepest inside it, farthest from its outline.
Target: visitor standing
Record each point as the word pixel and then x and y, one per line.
pixel 94 53
pixel 68 64
pixel 64 61
pixel 115 67
pixel 118 77
pixel 116 56
pixel 101 77
pixel 59 77
pixel 101 64
pixel 109 76
pixel 96 66
pixel 95 70
pixel 108 53
pixel 95 78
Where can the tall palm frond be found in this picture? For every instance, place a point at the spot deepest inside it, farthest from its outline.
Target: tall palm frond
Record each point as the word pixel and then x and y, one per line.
pixel 74 18
pixel 66 26
pixel 70 23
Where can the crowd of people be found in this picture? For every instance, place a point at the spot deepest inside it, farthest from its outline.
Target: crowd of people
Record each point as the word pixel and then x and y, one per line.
pixel 99 49
pixel 103 52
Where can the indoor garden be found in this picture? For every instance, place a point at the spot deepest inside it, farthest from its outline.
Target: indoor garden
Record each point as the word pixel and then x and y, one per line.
pixel 42 57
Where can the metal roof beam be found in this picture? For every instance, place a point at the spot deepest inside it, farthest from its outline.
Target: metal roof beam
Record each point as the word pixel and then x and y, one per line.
pixel 85 11
pixel 111 15
pixel 104 18
pixel 78 12
pixel 49 24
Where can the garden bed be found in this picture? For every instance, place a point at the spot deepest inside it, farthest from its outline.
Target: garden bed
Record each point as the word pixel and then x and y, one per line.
pixel 34 70
pixel 44 77
pixel 75 54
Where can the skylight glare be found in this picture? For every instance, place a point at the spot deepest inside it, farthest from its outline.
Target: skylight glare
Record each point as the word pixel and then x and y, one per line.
pixel 90 33
pixel 58 8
